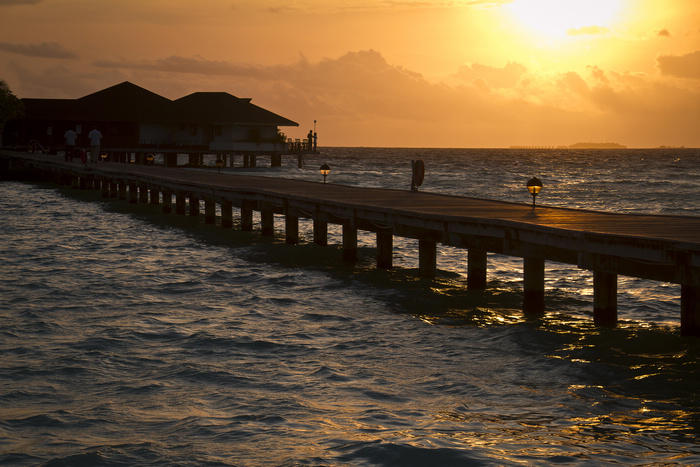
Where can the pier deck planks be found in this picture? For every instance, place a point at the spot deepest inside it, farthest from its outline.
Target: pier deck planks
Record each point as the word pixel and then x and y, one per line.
pixel 683 229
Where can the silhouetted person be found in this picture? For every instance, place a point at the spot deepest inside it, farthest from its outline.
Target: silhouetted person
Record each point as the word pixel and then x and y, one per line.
pixel 70 137
pixel 310 136
pixel 95 137
pixel 315 141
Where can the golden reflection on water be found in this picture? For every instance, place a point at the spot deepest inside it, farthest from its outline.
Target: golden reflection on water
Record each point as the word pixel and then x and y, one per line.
pixel 475 317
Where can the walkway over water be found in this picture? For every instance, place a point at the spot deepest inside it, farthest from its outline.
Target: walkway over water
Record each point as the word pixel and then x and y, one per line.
pixel 661 248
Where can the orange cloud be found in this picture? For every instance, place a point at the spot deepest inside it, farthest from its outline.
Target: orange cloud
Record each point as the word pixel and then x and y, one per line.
pixel 505 77
pixel 43 50
pixel 683 66
pixel 587 30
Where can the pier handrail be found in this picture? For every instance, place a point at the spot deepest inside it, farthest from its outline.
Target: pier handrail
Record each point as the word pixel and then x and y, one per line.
pixel 32 145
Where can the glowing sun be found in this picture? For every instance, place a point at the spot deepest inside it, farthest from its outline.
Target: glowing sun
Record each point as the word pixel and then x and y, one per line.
pixel 559 17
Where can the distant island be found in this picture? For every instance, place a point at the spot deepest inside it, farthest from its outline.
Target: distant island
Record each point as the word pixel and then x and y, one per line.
pixel 576 146
pixel 597 146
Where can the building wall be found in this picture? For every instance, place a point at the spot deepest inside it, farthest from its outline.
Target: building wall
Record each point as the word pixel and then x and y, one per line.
pixel 212 136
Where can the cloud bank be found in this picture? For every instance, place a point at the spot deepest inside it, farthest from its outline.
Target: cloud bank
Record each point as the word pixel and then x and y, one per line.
pixel 43 50
pixel 683 66
pixel 359 98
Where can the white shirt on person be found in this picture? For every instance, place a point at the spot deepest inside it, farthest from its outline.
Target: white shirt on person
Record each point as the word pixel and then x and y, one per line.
pixel 95 137
pixel 70 137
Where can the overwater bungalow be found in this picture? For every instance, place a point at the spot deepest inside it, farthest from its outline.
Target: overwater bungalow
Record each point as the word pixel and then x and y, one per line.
pixel 136 121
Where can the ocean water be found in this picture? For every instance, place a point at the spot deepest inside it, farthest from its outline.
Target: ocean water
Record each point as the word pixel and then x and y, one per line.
pixel 132 337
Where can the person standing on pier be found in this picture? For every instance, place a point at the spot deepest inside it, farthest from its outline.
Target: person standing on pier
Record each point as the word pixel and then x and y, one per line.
pixel 310 136
pixel 95 137
pixel 70 137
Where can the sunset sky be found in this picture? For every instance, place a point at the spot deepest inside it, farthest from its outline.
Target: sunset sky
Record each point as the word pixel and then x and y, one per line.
pixel 409 73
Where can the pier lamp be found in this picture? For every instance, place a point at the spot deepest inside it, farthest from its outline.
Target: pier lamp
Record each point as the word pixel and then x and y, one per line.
pixel 150 158
pixel 534 185
pixel 219 163
pixel 325 170
pixel 103 156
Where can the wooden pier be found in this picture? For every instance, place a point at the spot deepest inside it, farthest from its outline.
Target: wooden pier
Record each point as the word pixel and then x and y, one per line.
pixel 660 248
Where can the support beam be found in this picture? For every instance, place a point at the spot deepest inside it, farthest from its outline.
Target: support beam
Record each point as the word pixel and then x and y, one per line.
pixel 533 285
pixel 604 298
pixel 349 244
pixel 267 223
pixel 476 269
pixel 113 189
pixel 427 258
pixel 385 246
pixel 291 228
pixel 209 211
pixel 690 310
pixel 226 214
pixel 122 190
pixel 320 232
pixel 104 188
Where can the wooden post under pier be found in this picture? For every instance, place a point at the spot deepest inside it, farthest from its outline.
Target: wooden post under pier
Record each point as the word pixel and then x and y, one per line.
pixel 154 194
pixel 167 200
pixel 427 258
pixel 385 245
pixel 226 214
pixel 143 192
pixel 133 193
pixel 209 211
pixel 690 310
pixel 476 269
pixel 194 205
pixel 291 229
pixel 104 186
pixel 320 232
pixel 246 217
pixel 533 285
pixel 349 243
pixel 267 223
pixel 180 202
pixel 604 298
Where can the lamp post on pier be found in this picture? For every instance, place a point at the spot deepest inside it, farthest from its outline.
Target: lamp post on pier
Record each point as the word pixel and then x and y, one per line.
pixel 534 186
pixel 325 170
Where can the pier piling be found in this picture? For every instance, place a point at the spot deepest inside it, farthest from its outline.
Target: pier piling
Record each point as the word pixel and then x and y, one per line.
pixel 476 269
pixel 533 285
pixel 385 245
pixel 604 298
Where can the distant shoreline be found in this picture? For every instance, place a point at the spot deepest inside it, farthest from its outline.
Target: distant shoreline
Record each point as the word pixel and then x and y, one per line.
pixel 576 146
